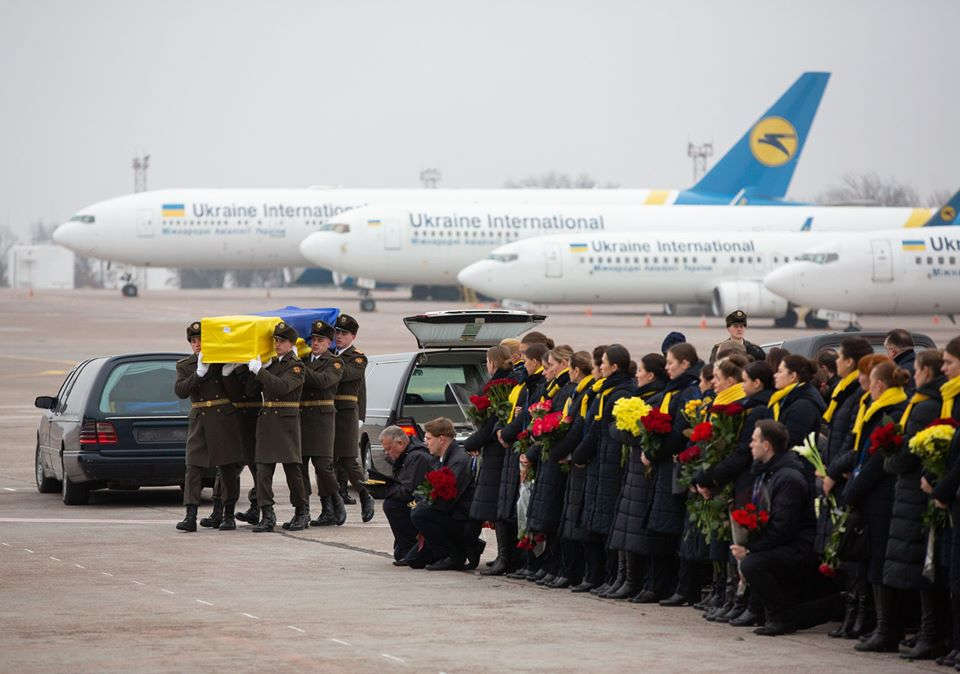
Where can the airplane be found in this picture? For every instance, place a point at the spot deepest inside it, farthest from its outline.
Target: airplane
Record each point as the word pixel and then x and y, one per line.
pixel 432 244
pixel 727 270
pixel 891 273
pixel 253 228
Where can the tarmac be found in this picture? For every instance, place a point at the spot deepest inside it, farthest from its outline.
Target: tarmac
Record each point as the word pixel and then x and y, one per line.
pixel 112 586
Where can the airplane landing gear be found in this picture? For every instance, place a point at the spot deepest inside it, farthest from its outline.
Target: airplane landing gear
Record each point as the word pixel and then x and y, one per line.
pixel 788 320
pixel 811 321
pixel 367 303
pixel 129 290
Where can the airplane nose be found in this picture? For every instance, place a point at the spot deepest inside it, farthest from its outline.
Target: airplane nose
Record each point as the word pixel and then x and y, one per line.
pixel 323 248
pixel 783 281
pixel 482 277
pixel 67 235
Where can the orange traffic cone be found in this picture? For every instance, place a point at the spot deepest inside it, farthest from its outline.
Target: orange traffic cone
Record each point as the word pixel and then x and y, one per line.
pixel 589 311
pixel 936 320
pixel 703 322
pixel 647 322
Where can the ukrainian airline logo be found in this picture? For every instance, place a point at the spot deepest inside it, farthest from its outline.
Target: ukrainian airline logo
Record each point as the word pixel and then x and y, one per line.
pixel 773 141
pixel 917 245
pixel 948 213
pixel 373 223
pixel 578 248
pixel 173 210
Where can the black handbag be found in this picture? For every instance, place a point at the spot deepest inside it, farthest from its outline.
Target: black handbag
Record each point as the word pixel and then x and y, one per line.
pixel 854 546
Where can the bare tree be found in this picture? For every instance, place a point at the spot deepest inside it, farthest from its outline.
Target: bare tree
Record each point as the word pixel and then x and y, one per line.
pixel 202 278
pixel 938 198
pixel 870 189
pixel 553 180
pixel 7 239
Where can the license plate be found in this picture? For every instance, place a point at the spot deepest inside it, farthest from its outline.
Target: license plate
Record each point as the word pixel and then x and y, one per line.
pixel 160 435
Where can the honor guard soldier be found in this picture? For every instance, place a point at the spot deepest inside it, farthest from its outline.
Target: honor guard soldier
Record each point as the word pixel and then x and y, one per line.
pixel 248 407
pixel 736 326
pixel 322 371
pixel 280 380
pixel 351 405
pixel 213 435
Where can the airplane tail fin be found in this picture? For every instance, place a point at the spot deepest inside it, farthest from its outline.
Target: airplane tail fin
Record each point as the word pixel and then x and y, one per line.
pixel 946 214
pixel 764 159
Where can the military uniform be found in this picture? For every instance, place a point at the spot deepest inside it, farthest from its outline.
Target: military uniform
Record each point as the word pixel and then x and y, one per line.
pixel 322 375
pixel 214 432
pixel 749 348
pixel 351 406
pixel 278 428
pixel 248 406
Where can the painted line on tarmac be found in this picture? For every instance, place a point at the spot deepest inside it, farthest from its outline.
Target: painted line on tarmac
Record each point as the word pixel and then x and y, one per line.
pixel 393 657
pixel 341 642
pixel 79 566
pixel 56 559
pixel 136 582
pixel 205 603
pixel 107 574
pixel 9 489
pixel 75 520
pixel 6 545
pixel 334 544
pixel 252 617
pixel 297 629
pixel 166 591
pixel 28 550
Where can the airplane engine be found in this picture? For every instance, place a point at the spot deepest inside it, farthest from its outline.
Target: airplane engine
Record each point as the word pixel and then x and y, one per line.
pixel 749 296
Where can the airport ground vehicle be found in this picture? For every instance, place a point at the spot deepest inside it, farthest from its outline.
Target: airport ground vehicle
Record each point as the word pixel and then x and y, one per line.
pixel 115 423
pixel 810 346
pixel 408 389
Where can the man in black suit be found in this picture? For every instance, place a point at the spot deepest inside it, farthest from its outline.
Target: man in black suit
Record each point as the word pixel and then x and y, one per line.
pixel 445 524
pixel 411 462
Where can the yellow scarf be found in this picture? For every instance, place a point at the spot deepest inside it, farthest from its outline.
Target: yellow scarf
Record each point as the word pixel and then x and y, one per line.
pixel 892 396
pixel 777 397
pixel 555 385
pixel 581 386
pixel 949 391
pixel 515 396
pixel 603 396
pixel 665 403
pixel 917 398
pixel 730 395
pixel 837 390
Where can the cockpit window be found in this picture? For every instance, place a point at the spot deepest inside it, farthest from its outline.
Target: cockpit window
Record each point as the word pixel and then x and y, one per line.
pixel 338 227
pixel 88 219
pixel 503 257
pixel 818 258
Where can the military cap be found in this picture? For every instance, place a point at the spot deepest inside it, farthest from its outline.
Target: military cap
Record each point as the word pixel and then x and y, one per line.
pixel 193 330
pixel 285 331
pixel 672 339
pixel 347 323
pixel 322 329
pixel 736 317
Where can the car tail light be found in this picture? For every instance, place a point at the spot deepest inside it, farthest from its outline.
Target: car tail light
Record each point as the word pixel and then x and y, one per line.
pixel 409 426
pixel 97 433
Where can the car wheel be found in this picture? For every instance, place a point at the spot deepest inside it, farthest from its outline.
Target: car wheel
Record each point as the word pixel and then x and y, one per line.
pixel 45 485
pixel 73 494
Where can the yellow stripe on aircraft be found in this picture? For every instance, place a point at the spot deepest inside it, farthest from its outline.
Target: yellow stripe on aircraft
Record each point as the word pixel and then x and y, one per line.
pixel 917 217
pixel 657 197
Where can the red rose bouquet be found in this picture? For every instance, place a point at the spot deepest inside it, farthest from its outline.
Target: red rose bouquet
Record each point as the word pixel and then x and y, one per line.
pixel 493 400
pixel 886 438
pixel 750 518
pixel 438 485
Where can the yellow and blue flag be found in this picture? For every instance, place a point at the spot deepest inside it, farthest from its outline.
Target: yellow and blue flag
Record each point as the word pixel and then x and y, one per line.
pixel 914 245
pixel 578 248
pixel 173 210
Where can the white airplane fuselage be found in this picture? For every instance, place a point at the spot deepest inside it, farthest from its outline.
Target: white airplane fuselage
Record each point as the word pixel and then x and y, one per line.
pixel 905 272
pixel 262 228
pixel 432 243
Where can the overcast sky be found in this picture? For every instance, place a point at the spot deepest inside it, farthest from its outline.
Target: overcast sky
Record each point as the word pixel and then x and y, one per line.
pixel 245 94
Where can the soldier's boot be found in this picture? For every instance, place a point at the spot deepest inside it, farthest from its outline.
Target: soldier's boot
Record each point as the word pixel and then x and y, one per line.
pixel 306 512
pixel 216 517
pixel 339 509
pixel 189 523
pixel 229 522
pixel 326 517
pixel 300 521
pixel 251 515
pixel 268 520
pixel 367 504
pixel 345 495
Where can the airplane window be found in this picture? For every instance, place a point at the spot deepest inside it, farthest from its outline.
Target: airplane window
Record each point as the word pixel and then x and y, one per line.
pixel 591 260
pixel 939 260
pixel 929 260
pixel 786 258
pixel 776 259
pixel 503 257
pixel 714 261
pixel 953 260
pixel 581 260
pixel 609 260
pixel 341 228
pixel 919 260
pixel 750 260
pixel 654 260
pixel 684 260
pixel 86 219
pixel 741 259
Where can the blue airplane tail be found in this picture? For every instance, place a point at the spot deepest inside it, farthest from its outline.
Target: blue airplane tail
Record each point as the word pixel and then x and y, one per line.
pixel 762 162
pixel 946 214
